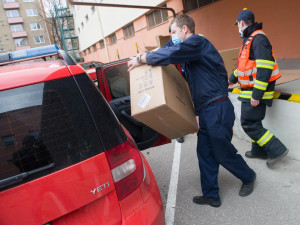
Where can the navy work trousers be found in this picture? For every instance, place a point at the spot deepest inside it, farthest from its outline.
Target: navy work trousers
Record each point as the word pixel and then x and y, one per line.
pixel 251 121
pixel 214 148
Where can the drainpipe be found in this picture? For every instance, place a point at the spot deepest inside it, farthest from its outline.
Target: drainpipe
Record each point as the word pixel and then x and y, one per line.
pixel 104 41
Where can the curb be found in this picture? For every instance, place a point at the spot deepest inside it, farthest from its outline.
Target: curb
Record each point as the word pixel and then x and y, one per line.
pixel 277 95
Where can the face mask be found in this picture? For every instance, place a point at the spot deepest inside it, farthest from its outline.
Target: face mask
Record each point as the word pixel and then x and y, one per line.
pixel 175 39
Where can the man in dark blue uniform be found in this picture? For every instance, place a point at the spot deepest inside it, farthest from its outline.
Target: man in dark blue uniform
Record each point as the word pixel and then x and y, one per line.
pixel 207 79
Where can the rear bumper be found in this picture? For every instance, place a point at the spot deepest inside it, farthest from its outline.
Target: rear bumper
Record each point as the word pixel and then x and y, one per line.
pixel 150 210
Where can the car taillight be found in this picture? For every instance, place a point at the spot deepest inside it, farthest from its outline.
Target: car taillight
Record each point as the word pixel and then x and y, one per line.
pixel 126 167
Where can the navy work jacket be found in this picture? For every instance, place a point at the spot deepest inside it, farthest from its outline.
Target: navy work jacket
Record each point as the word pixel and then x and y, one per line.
pixel 204 68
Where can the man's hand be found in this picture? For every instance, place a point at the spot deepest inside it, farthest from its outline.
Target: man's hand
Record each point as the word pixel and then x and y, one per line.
pixel 254 102
pixel 230 85
pixel 133 63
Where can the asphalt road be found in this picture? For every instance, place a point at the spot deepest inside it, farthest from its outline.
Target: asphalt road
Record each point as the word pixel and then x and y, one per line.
pixel 275 200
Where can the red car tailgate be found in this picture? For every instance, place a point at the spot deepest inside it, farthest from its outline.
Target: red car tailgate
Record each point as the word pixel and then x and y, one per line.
pixel 85 190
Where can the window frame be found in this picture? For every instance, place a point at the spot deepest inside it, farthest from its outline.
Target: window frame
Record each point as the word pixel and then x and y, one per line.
pixel 15 25
pixel 40 42
pixel 112 39
pixel 32 12
pixel 126 31
pixel 162 14
pixel 35 23
pixel 199 4
pixel 101 42
pixel 20 42
pixel 10 12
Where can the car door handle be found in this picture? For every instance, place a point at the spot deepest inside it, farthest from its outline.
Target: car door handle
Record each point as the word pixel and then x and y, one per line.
pixel 131 119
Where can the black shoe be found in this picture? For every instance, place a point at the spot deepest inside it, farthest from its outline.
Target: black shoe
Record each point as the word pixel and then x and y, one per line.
pixel 250 154
pixel 247 189
pixel 180 140
pixel 272 161
pixel 202 200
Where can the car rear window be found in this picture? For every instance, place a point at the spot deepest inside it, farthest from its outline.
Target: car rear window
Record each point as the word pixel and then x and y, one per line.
pixel 118 80
pixel 44 128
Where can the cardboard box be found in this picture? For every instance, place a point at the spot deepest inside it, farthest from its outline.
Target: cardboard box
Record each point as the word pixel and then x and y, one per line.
pixel 160 98
pixel 230 58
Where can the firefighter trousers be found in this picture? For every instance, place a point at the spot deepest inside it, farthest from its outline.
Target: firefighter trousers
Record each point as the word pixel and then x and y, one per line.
pixel 263 140
pixel 214 148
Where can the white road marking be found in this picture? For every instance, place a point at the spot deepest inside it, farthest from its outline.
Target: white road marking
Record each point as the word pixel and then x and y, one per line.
pixel 171 201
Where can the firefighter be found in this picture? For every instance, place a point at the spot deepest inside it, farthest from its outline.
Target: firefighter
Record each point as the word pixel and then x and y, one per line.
pixel 207 78
pixel 257 73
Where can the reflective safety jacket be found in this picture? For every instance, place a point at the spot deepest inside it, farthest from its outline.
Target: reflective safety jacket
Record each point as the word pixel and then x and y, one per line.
pixel 247 69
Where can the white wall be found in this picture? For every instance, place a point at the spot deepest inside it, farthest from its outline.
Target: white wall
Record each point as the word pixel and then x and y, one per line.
pixel 112 19
pixel 282 119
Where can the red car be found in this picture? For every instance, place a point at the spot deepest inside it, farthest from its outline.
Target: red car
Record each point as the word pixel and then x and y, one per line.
pixel 90 68
pixel 64 157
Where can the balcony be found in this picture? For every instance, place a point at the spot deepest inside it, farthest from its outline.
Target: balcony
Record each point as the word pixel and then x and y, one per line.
pixel 11 5
pixel 19 34
pixel 22 47
pixel 13 20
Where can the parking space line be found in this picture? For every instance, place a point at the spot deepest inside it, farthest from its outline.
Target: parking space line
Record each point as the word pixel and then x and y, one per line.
pixel 171 201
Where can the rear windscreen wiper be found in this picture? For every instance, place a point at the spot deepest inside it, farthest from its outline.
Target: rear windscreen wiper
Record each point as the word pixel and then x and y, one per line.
pixel 21 176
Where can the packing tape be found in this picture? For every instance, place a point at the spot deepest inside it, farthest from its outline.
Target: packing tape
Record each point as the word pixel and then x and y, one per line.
pixel 277 95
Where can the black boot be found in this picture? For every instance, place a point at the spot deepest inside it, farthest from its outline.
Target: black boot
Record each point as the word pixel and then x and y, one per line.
pixel 247 189
pixel 250 154
pixel 272 161
pixel 180 139
pixel 202 200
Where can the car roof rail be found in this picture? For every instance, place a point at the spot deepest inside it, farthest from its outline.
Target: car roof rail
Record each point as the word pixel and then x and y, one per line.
pixel 35 53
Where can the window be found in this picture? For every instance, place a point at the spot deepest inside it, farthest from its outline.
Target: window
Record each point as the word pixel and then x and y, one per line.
pixel 82 25
pixel 112 39
pixel 89 51
pixel 102 44
pixel 39 39
pixel 35 26
pixel 42 130
pixel 118 80
pixel 195 4
pixel 7 1
pixel 8 141
pixel 79 29
pixel 16 28
pixel 94 48
pixel 92 10
pixel 2 50
pixel 28 0
pixel 86 18
pixel 21 42
pixel 157 17
pixel 12 13
pixel 128 31
pixel 31 12
pixel 1 42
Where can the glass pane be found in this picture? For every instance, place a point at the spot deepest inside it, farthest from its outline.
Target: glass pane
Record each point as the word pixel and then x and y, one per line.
pixel 164 15
pixel 118 80
pixel 157 17
pixel 151 20
pixel 191 5
pixel 204 2
pixel 46 122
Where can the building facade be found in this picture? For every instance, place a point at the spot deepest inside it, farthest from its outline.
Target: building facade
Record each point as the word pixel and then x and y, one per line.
pixel 107 34
pixel 22 25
